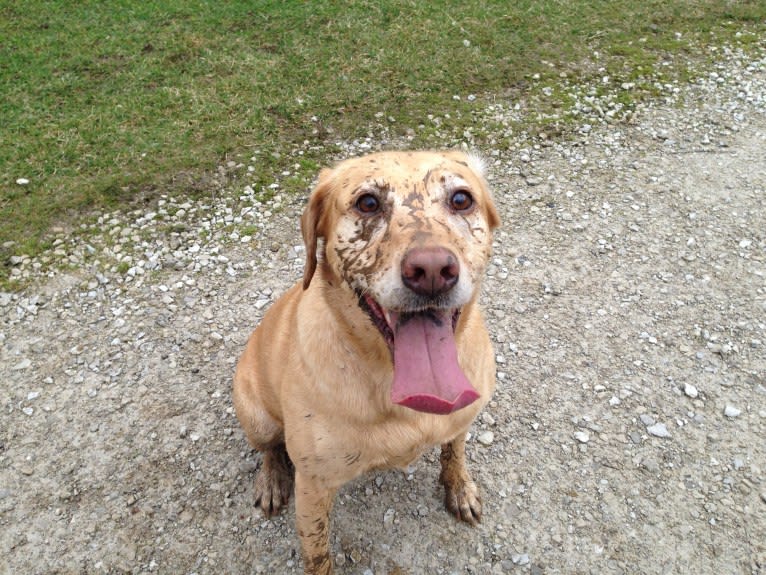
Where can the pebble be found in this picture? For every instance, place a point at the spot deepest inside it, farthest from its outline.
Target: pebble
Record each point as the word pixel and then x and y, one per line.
pixel 650 464
pixel 646 419
pixel 520 559
pixel 690 390
pixel 23 364
pixel 658 430
pixel 485 437
pixel 582 436
pixel 731 411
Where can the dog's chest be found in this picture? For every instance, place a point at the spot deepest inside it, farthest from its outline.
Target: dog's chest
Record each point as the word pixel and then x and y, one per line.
pixel 395 445
pixel 344 451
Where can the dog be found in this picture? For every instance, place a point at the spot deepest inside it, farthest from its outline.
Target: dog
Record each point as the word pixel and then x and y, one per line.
pixel 381 352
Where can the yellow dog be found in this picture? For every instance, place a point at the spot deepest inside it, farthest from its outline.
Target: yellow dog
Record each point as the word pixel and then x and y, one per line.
pixel 381 352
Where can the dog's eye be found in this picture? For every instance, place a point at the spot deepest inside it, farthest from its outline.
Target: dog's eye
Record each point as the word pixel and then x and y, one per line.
pixel 461 200
pixel 368 204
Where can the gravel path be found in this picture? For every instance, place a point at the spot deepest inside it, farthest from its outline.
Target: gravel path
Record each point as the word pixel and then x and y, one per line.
pixel 627 302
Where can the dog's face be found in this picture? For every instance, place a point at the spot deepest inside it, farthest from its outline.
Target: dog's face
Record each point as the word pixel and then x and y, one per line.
pixel 409 234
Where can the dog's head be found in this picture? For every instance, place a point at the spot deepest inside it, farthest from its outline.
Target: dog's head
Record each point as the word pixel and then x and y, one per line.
pixel 409 233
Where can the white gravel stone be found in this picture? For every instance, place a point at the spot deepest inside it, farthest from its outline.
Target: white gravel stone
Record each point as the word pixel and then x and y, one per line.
pixel 658 430
pixel 520 559
pixel 582 436
pixel 485 437
pixel 647 419
pixel 731 411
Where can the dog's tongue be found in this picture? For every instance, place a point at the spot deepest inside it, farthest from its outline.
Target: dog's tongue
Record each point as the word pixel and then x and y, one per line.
pixel 427 376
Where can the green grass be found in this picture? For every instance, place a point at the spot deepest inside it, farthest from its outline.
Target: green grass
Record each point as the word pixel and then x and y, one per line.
pixel 104 103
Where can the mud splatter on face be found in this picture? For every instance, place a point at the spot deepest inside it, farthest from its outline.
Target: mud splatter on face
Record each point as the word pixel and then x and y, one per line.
pixel 413 209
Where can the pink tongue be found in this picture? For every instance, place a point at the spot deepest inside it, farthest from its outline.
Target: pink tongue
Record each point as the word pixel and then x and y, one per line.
pixel 427 376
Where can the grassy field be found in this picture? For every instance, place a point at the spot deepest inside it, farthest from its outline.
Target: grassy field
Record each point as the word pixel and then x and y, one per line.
pixel 105 102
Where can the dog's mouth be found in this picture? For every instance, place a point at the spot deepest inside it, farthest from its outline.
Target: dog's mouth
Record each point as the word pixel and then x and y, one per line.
pixel 427 375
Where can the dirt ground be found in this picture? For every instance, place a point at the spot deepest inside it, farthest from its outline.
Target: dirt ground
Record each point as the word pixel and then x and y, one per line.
pixel 627 303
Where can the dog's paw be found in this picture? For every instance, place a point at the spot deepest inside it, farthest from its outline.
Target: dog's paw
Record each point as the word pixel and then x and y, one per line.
pixel 462 499
pixel 274 483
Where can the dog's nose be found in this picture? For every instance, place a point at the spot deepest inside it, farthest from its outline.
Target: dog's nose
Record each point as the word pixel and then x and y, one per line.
pixel 430 271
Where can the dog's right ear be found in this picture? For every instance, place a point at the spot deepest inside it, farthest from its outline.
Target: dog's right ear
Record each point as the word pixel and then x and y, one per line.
pixel 312 222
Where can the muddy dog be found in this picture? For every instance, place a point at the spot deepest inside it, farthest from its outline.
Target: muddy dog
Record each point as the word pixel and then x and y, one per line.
pixel 381 352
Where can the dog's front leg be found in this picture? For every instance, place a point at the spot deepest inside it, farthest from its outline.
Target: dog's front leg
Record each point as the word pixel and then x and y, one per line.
pixel 313 503
pixel 461 495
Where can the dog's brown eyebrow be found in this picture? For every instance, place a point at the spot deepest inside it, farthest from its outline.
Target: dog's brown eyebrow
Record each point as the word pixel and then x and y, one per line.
pixel 372 185
pixel 454 179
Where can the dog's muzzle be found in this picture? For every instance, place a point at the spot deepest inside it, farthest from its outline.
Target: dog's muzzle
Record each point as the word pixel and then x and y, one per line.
pixel 421 335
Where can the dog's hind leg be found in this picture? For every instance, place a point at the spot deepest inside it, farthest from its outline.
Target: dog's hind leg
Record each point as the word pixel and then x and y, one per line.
pixel 461 494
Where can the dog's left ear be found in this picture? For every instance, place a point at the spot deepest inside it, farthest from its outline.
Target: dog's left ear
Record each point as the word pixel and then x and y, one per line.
pixel 312 223
pixel 493 218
